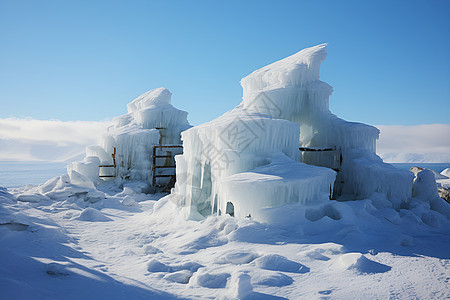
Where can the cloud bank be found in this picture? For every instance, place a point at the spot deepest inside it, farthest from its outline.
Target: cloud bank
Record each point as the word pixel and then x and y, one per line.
pixel 47 140
pixel 52 140
pixel 419 143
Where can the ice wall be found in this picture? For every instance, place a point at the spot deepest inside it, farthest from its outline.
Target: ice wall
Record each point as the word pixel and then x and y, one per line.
pixel 290 89
pixel 151 120
pixel 233 164
pixel 219 156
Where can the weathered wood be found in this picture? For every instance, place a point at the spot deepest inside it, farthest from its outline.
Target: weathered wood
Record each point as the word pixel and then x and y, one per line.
pixel 154 158
pixel 316 149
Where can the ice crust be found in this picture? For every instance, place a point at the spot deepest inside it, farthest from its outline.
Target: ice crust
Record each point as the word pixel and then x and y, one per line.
pixel 151 120
pixel 247 159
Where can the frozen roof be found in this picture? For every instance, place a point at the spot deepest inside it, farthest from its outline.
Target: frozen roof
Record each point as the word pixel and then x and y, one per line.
pixel 299 69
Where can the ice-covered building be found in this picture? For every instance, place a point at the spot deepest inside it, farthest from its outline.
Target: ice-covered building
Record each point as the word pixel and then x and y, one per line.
pixel 249 159
pixel 139 144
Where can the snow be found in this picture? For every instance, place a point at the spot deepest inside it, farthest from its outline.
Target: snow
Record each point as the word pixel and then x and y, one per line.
pixel 71 247
pixel 250 216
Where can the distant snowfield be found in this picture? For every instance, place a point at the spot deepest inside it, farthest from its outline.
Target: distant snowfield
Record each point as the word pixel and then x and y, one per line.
pixel 28 139
pixel 428 143
pixel 137 246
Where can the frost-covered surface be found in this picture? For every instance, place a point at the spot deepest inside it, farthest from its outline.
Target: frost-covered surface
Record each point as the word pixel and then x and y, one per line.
pixel 237 142
pixel 285 105
pixel 68 239
pixel 151 120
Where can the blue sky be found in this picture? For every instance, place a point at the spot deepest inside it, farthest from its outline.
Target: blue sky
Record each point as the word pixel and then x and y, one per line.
pixel 388 61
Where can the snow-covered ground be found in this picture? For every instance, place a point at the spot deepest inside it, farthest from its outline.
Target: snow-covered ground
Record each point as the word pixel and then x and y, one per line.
pixel 139 246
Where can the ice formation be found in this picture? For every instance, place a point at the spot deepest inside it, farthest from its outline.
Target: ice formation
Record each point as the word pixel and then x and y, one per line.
pixel 249 158
pixel 128 143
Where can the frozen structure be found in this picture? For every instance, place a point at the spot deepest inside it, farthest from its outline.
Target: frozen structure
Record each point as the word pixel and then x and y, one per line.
pixel 249 159
pixel 127 150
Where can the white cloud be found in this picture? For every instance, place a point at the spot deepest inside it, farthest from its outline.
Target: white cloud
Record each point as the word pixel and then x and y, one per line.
pixel 418 143
pixel 52 140
pixel 46 140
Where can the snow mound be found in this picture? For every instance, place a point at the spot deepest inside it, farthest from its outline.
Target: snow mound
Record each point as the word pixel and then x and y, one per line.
pixel 128 200
pixel 33 197
pixel 328 210
pixel 238 258
pixel 154 265
pixel 275 279
pixel 149 249
pixel 92 215
pixel 6 197
pixel 210 280
pixel 56 269
pixel 359 263
pixel 182 276
pixel 316 255
pixel 275 262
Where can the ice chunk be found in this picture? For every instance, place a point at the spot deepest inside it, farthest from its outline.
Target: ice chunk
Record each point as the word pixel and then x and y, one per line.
pixel 81 180
pixel 425 185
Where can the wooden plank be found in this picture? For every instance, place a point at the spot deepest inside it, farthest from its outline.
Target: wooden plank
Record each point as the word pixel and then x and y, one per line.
pixel 163 167
pixel 316 149
pixel 168 146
